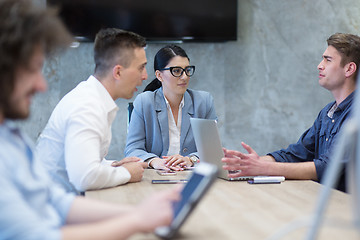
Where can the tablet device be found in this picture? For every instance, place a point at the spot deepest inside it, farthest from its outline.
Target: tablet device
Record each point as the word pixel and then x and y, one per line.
pixel 202 178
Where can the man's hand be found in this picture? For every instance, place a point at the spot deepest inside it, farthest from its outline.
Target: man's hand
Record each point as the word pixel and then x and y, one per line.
pixel 125 160
pixel 244 164
pixel 135 169
pixel 128 160
pixel 157 210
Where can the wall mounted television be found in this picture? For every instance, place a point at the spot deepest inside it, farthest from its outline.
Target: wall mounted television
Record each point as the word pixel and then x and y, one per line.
pixel 156 20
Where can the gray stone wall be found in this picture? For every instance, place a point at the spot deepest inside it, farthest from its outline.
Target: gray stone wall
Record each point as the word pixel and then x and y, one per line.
pixel 265 84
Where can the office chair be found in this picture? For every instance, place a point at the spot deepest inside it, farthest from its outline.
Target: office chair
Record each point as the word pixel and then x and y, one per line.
pixel 130 109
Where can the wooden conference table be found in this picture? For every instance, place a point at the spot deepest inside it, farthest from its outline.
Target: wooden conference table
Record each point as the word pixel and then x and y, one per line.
pixel 238 210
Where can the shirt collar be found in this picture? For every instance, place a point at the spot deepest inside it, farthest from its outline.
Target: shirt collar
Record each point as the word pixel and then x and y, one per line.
pixel 10 124
pixel 10 128
pixel 168 104
pixel 343 105
pixel 109 103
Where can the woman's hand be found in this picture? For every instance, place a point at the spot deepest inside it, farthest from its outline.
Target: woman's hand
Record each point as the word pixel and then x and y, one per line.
pixel 174 162
pixel 177 161
pixel 158 163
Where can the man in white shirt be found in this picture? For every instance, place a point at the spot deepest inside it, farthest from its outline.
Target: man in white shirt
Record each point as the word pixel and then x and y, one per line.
pixel 76 139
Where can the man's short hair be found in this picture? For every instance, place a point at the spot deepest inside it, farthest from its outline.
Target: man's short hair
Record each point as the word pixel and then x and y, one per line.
pixel 348 45
pixel 24 27
pixel 115 46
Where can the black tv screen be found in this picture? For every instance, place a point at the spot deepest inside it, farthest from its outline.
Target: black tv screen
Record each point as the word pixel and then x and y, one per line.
pixel 156 20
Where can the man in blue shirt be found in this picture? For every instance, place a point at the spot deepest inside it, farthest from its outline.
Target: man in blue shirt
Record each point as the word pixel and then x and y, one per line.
pixel 309 157
pixel 31 206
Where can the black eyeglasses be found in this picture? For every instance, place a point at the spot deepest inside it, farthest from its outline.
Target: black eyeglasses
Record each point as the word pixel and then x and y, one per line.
pixel 178 71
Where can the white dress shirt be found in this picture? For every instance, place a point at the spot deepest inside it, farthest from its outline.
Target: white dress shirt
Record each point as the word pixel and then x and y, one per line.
pixel 174 129
pixel 77 137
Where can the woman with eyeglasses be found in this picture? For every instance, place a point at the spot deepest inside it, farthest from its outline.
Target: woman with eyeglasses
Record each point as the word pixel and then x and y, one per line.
pixel 159 131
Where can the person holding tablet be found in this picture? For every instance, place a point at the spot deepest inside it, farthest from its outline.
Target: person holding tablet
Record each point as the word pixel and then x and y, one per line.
pixel 159 131
pixel 31 205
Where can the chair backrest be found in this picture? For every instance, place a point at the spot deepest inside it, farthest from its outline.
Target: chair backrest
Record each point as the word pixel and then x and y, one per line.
pixel 130 109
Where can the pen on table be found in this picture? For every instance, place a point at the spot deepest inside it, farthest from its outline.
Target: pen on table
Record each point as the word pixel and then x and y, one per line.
pixel 170 181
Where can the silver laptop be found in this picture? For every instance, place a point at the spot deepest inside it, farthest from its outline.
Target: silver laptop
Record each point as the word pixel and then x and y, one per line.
pixel 209 147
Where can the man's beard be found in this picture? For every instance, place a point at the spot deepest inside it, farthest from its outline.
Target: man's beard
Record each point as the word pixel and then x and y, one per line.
pixel 12 109
pixel 11 113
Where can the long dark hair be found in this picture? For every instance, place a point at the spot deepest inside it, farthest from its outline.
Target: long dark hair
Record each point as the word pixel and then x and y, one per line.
pixel 162 58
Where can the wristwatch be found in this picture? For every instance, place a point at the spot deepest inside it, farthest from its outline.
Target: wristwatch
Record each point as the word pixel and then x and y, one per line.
pixel 194 159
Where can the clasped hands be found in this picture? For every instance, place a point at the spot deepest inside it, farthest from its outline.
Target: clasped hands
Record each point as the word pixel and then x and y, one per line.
pixel 174 162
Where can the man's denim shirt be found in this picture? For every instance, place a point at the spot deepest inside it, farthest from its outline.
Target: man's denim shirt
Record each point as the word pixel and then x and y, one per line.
pixel 317 142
